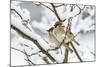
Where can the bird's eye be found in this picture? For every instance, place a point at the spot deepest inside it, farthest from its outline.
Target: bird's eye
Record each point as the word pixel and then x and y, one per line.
pixel 70 33
pixel 63 26
pixel 51 29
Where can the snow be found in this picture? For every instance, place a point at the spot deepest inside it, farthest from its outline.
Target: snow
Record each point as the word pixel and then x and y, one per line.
pixel 86 38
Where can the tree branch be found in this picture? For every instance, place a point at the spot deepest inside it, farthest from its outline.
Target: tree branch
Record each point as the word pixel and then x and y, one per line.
pixel 29 61
pixel 34 41
pixel 78 56
pixel 55 12
pixel 17 50
pixel 25 22
pixel 17 13
pixel 24 52
pixel 80 10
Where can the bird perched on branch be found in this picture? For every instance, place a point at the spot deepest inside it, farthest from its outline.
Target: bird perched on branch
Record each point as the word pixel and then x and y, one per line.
pixel 56 35
pixel 68 34
pixel 59 30
pixel 52 38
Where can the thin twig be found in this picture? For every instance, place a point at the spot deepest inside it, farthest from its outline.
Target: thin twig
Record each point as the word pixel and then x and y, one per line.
pixel 17 13
pixel 76 42
pixel 60 5
pixel 80 10
pixel 78 56
pixel 25 22
pixel 17 50
pixel 28 46
pixel 53 10
pixel 34 53
pixel 29 61
pixel 24 52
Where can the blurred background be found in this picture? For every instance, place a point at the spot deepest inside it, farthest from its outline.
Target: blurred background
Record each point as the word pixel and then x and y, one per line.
pixel 41 19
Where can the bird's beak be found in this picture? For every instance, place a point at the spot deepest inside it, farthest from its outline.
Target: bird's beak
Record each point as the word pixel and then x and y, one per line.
pixel 51 29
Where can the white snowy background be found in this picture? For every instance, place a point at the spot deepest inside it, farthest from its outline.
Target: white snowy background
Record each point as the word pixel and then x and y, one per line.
pixel 40 19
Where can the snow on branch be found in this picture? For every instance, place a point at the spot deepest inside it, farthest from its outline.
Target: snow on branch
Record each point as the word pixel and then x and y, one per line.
pixel 61 39
pixel 34 41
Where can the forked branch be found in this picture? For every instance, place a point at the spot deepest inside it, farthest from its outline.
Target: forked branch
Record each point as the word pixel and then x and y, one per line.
pixel 25 22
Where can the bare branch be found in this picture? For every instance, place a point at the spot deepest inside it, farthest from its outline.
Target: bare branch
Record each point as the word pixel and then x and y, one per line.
pixel 17 50
pixel 28 46
pixel 29 61
pixel 25 22
pixel 34 53
pixel 24 52
pixel 53 10
pixel 80 10
pixel 78 56
pixel 17 13
pixel 77 34
pixel 76 42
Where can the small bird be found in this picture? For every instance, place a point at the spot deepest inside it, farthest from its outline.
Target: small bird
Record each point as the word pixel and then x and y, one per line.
pixel 59 31
pixel 52 38
pixel 56 41
pixel 55 34
pixel 69 37
pixel 68 34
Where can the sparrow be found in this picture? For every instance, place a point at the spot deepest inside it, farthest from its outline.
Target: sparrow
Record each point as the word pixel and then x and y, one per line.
pixel 55 33
pixel 52 38
pixel 68 34
pixel 59 31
